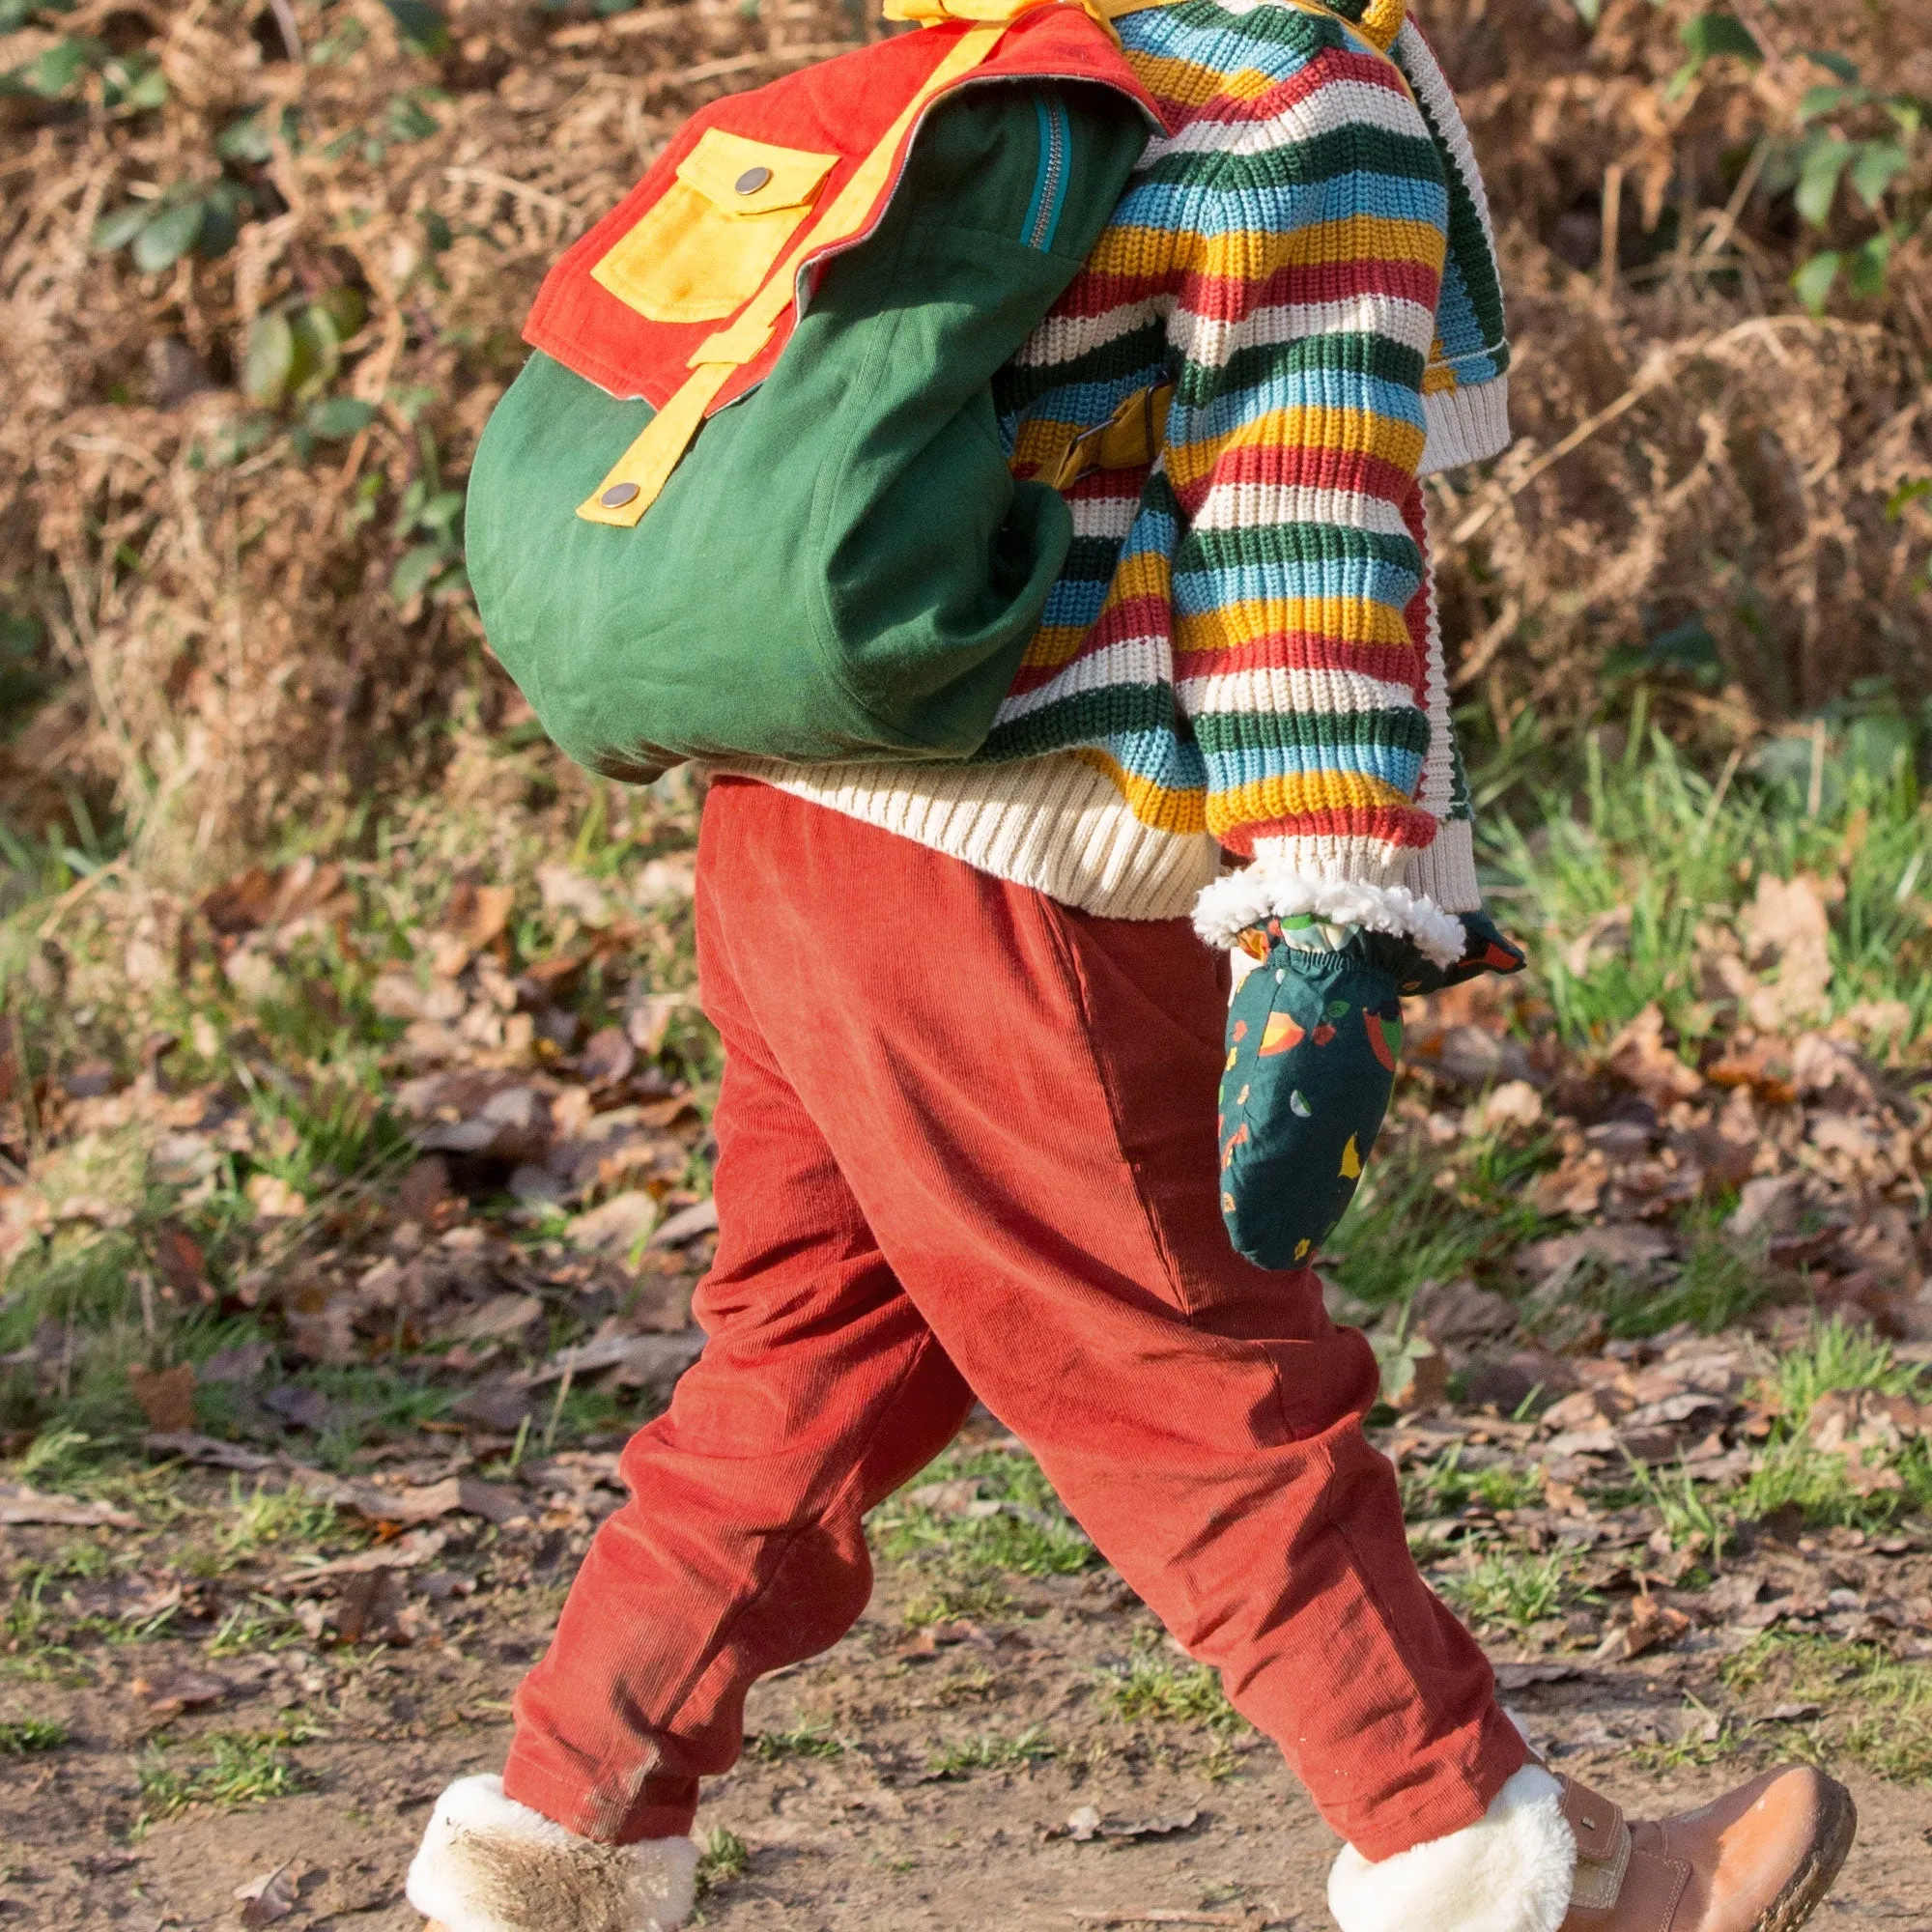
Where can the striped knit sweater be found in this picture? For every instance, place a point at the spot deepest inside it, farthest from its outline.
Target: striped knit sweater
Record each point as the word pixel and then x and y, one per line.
pixel 1241 654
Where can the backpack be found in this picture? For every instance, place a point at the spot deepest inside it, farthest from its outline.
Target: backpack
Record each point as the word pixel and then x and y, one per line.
pixel 748 496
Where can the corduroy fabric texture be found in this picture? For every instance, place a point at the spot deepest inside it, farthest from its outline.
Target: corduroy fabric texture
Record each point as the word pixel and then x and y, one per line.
pixel 966 1143
pixel 1243 642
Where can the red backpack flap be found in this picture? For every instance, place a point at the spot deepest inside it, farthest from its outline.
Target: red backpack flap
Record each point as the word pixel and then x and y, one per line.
pixel 633 302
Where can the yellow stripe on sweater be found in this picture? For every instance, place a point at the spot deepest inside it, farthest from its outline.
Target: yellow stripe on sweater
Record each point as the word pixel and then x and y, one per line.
pixel 1293 794
pixel 1363 430
pixel 1195 85
pixel 1183 812
pixel 1144 574
pixel 1252 254
pixel 1348 620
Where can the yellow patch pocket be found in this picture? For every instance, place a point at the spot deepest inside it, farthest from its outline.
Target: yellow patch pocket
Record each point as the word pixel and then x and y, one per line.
pixel 705 246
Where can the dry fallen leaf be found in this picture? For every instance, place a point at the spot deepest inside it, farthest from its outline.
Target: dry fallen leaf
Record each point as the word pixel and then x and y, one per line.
pixel 178 1256
pixel 500 1317
pixel 167 1694
pixel 476 914
pixel 617 1227
pixel 1638 1056
pixel 273 1198
pixel 1787 927
pixel 268 1898
pixel 166 1395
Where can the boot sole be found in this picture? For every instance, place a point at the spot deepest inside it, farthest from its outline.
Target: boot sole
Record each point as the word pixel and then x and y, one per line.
pixel 1823 1863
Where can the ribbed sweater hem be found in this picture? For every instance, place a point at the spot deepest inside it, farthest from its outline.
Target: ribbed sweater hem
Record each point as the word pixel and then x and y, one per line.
pixel 1465 425
pixel 1445 871
pixel 1056 824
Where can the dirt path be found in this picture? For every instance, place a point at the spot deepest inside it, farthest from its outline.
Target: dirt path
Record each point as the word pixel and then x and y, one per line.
pixel 860 1804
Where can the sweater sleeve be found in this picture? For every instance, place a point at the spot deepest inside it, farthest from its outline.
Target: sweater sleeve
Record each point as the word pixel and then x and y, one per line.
pixel 1303 611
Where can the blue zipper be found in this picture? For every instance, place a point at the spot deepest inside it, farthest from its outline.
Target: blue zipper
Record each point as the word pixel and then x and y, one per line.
pixel 1049 188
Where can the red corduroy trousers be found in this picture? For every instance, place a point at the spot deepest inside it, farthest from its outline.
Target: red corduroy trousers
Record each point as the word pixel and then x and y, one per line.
pixel 966 1145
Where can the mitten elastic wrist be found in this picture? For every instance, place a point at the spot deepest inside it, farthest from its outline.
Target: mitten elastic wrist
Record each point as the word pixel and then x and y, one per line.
pixel 490 1864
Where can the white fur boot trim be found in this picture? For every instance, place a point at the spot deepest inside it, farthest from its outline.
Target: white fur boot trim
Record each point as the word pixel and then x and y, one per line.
pixel 1238 900
pixel 490 1864
pixel 1511 1871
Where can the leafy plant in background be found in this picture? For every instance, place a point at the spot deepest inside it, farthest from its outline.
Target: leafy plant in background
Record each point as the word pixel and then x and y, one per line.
pixel 406 118
pixel 1710 37
pixel 130 83
pixel 253 137
pixel 295 350
pixel 1874 164
pixel 23 684
pixel 1847 135
pixel 429 519
pixel 203 217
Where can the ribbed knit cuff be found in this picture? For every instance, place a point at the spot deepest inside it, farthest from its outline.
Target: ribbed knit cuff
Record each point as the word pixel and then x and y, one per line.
pixel 1465 425
pixel 1446 871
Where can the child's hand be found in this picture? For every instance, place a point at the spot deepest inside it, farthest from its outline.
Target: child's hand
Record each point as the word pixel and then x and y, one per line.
pixel 1314 1033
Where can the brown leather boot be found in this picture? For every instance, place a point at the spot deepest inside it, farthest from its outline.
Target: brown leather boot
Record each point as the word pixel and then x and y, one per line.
pixel 1760 1859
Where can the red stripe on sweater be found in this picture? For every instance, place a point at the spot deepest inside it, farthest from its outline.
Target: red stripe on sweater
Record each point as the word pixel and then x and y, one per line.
pixel 1298 650
pixel 1413 830
pixel 1231 298
pixel 1295 467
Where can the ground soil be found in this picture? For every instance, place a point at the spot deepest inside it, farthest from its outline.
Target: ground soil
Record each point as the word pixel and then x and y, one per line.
pixel 847 1818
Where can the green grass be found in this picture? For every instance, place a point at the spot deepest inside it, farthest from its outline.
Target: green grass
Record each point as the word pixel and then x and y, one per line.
pixel 1510 1590
pixel 1167 1689
pixel 1442 1485
pixel 1792 1474
pixel 1701 1743
pixel 804 1739
pixel 1575 856
pixel 1875 1709
pixel 21 1735
pixel 1032 1535
pixel 1841 1355
pixel 1715 1287
pixel 991 1753
pixel 950 1601
pixel 1403 1228
pixel 260 1623
pixel 725 1858
pixel 1692 1518
pixel 265 1515
pixel 240 1768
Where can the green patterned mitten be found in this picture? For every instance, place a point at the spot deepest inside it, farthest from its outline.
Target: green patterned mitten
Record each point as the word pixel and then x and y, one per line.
pixel 1313 1034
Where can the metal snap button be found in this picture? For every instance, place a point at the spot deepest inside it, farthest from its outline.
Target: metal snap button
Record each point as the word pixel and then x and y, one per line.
pixel 618 494
pixel 752 179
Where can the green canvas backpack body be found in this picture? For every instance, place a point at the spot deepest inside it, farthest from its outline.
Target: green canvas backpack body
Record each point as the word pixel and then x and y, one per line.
pixel 747 498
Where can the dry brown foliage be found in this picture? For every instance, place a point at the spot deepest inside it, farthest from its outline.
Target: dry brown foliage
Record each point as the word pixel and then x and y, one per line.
pixel 221 612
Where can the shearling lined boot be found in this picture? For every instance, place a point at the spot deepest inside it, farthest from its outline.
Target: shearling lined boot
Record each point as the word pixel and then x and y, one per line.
pixel 1760 1859
pixel 1552 1856
pixel 490 1864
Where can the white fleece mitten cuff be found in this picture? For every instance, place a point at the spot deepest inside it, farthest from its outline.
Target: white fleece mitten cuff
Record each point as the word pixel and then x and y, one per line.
pixel 1511 1871
pixel 490 1864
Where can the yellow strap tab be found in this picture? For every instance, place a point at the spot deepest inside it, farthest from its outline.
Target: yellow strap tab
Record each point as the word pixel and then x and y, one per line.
pixel 1129 438
pixel 637 476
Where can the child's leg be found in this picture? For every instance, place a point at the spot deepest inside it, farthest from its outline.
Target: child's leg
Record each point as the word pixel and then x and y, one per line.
pixel 820 1391
pixel 1022 1100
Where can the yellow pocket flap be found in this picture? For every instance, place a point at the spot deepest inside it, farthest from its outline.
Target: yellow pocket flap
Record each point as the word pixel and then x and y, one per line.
pixel 744 177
